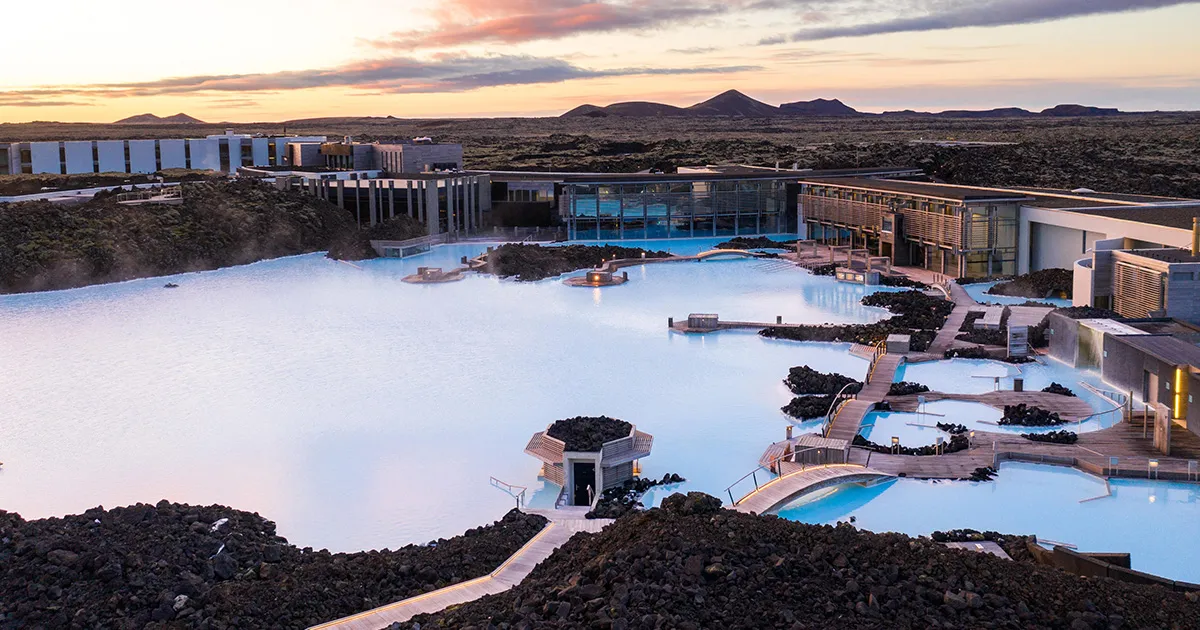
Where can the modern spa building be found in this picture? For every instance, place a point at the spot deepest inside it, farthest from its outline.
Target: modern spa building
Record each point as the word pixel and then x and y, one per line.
pixel 713 201
pixel 968 231
pixel 225 152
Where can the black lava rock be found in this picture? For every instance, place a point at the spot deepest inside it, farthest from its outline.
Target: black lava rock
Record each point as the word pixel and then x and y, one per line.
pixel 588 434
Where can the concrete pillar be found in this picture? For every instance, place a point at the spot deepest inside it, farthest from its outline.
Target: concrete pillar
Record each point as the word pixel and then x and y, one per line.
pixel 372 206
pixel 420 201
pixel 453 205
pixel 468 207
pixel 409 199
pixel 432 211
pixel 341 193
pixel 391 199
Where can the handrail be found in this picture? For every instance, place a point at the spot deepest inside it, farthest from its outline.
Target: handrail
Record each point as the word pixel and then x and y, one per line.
pixel 509 488
pixel 839 397
pixel 770 463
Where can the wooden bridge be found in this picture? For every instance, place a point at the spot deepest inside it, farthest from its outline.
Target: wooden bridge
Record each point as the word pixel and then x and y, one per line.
pixel 848 420
pixel 786 488
pixel 563 525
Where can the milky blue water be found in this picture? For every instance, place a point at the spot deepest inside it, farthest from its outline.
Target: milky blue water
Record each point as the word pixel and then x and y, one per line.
pixel 1154 521
pixel 976 376
pixel 979 292
pixel 359 412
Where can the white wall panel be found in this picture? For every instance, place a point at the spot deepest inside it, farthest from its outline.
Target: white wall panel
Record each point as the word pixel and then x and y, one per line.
pixel 235 154
pixel 261 148
pixel 79 157
pixel 112 156
pixel 45 158
pixel 206 154
pixel 171 153
pixel 141 156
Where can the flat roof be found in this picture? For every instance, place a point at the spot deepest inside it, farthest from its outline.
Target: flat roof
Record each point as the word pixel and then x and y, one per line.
pixel 1102 196
pixel 922 189
pixel 1111 326
pixel 1165 348
pixel 720 173
pixel 1174 216
pixel 1168 255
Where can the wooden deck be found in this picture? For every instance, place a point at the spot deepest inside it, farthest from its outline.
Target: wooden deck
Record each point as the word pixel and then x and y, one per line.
pixel 781 490
pixel 1090 454
pixel 1070 408
pixel 848 420
pixel 506 576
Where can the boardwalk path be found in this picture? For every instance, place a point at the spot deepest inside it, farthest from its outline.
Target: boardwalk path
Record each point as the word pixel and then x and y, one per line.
pixel 849 419
pixel 783 489
pixel 506 576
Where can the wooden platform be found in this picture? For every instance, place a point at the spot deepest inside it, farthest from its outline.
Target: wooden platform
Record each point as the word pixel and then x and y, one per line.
pixel 1070 408
pixel 1090 454
pixel 781 490
pixel 848 420
pixel 506 576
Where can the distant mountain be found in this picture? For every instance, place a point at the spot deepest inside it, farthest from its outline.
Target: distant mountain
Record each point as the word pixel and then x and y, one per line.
pixel 734 103
pixel 151 119
pixel 818 107
pixel 1079 110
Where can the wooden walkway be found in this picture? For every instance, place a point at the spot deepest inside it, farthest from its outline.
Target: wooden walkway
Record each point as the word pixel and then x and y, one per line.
pixel 1090 454
pixel 781 490
pixel 506 576
pixel 1070 408
pixel 849 418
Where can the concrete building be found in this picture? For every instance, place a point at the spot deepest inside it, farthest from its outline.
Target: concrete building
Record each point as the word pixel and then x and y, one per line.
pixel 981 231
pixel 422 155
pixel 955 230
pixel 226 152
pixel 584 475
pixel 454 203
pixel 704 201
pixel 1153 361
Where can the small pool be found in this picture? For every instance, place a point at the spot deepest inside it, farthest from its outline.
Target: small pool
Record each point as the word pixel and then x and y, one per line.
pixel 1154 521
pixel 977 376
pixel 979 293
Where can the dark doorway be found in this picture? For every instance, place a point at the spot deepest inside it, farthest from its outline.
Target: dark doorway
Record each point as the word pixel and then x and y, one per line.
pixel 584 474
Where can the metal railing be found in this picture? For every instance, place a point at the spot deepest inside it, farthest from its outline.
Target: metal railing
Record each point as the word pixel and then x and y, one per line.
pixel 514 491
pixel 880 350
pixel 835 407
pixel 771 475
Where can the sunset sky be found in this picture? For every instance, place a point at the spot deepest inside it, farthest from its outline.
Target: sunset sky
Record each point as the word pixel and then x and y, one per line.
pixel 251 60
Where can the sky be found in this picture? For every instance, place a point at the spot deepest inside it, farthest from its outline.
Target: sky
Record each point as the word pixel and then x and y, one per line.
pixel 255 60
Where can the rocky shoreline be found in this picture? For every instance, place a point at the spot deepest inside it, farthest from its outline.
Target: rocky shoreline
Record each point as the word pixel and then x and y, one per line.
pixel 913 313
pixel 1037 285
pixel 693 565
pixel 220 223
pixel 212 567
pixel 529 263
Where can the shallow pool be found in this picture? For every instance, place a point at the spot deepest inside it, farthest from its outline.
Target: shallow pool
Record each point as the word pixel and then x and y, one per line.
pixel 359 412
pixel 1154 521
pixel 977 376
pixel 979 293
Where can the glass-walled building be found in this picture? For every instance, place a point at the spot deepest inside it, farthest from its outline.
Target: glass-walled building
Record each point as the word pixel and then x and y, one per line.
pixel 676 206
pixel 956 230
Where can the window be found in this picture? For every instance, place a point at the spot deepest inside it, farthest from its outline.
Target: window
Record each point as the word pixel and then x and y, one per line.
pixel 1184 276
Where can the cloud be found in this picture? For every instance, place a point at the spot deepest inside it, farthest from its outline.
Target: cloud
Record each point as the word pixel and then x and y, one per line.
pixel 982 13
pixel 514 21
pixel 811 57
pixel 41 98
pixel 695 50
pixel 397 75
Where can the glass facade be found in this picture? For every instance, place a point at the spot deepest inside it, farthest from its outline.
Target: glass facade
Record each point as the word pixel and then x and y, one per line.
pixel 653 210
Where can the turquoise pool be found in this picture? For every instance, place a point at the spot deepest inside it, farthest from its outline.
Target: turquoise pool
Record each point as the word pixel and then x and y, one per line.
pixel 979 293
pixel 359 412
pixel 1154 521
